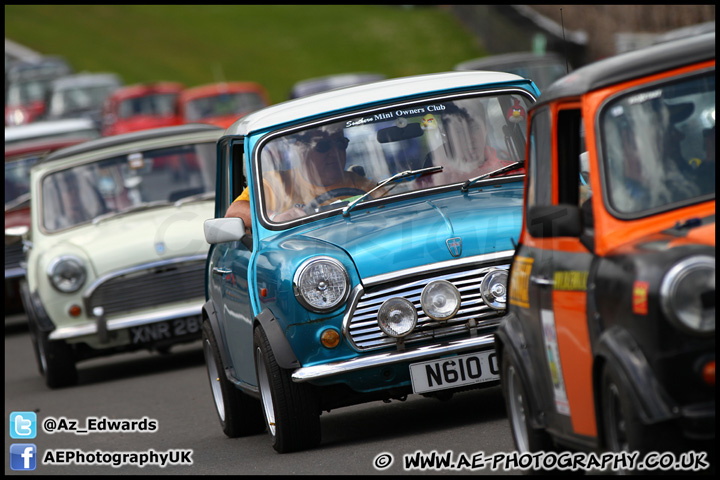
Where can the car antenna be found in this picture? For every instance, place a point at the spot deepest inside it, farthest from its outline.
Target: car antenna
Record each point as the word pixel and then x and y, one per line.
pixel 562 23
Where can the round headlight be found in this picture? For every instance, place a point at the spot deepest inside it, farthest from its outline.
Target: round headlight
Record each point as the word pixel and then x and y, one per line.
pixel 440 300
pixel 397 317
pixel 687 294
pixel 321 284
pixel 67 274
pixel 494 289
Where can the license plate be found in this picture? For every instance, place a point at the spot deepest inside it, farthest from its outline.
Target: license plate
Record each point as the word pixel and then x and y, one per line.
pixel 156 332
pixel 453 372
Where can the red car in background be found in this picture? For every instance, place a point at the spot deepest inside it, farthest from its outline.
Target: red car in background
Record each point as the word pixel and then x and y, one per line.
pixel 221 104
pixel 142 106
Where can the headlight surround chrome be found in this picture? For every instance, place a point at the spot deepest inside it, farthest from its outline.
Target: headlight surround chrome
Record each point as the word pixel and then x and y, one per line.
pixel 397 317
pixel 67 274
pixel 493 289
pixel 321 284
pixel 440 300
pixel 682 291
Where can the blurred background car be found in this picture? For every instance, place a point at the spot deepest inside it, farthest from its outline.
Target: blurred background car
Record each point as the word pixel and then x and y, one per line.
pixel 331 82
pixel 222 103
pixel 142 106
pixel 26 87
pixel 81 95
pixel 541 69
pixel 115 251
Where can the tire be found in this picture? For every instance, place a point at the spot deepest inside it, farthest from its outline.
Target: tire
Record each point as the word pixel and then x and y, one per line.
pixel 239 414
pixel 623 430
pixel 517 403
pixel 55 360
pixel 291 409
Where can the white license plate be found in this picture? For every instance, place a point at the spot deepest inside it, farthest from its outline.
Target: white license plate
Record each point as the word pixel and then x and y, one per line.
pixel 453 372
pixel 156 332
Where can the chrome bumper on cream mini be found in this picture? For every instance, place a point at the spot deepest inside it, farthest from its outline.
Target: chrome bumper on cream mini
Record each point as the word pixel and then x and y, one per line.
pixel 316 372
pixel 91 327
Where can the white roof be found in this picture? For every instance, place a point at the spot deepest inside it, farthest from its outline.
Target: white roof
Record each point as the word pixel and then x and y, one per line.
pixel 345 98
pixel 44 128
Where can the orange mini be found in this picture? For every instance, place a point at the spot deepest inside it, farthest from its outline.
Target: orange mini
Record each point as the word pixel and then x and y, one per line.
pixel 609 339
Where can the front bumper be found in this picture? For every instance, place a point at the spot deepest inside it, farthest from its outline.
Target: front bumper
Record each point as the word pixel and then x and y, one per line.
pixel 100 324
pixel 317 372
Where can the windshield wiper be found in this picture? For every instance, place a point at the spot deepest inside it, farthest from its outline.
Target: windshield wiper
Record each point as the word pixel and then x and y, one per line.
pixel 130 209
pixel 398 176
pixel 472 181
pixel 195 197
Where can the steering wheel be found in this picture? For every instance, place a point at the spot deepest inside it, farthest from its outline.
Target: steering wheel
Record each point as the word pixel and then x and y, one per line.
pixel 344 192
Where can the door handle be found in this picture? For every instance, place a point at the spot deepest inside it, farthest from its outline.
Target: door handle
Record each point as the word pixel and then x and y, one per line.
pixel 541 280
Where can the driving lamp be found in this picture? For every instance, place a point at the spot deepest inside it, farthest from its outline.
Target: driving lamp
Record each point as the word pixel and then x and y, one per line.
pixel 687 294
pixel 67 274
pixel 440 300
pixel 493 289
pixel 321 284
pixel 397 317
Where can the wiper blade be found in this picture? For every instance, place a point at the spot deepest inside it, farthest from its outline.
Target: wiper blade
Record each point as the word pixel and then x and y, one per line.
pixel 506 168
pixel 398 176
pixel 130 209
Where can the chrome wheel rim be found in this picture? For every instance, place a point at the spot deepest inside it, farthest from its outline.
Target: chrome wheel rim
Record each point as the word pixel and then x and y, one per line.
pixel 214 377
pixel 265 393
pixel 517 409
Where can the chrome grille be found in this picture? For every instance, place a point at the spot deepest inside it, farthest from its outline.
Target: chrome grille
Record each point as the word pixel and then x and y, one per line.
pixel 152 286
pixel 14 255
pixel 362 328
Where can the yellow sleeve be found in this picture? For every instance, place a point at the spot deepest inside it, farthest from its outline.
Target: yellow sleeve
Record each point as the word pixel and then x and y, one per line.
pixel 245 195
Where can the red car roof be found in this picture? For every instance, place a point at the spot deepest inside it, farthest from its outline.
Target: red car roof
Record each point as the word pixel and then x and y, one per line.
pixel 222 87
pixel 142 89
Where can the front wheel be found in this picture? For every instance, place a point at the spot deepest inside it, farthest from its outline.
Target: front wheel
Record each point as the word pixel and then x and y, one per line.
pixel 517 402
pixel 291 409
pixel 55 360
pixel 239 414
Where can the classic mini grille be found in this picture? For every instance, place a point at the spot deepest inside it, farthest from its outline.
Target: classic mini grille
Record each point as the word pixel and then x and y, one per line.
pixel 151 287
pixel 14 255
pixel 365 334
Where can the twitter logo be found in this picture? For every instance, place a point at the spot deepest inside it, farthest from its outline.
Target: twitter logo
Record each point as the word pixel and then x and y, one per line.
pixel 23 425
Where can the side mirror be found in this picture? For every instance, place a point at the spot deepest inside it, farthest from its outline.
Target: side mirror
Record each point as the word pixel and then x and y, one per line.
pixel 548 221
pixel 221 230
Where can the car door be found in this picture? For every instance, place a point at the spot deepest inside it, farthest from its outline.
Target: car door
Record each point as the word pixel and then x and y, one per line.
pixel 229 270
pixel 559 280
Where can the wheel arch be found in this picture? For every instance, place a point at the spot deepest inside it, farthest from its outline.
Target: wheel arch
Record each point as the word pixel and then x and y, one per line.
pixel 284 354
pixel 617 350
pixel 509 335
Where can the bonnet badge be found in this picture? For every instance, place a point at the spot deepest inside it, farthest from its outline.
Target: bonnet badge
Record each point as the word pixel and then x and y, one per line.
pixel 455 246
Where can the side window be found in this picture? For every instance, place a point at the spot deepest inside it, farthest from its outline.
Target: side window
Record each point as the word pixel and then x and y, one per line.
pixel 239 178
pixel 540 160
pixel 569 149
